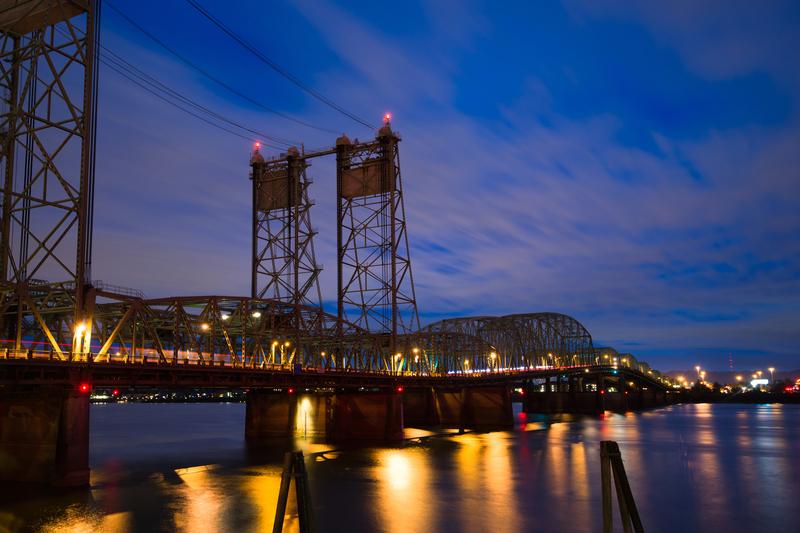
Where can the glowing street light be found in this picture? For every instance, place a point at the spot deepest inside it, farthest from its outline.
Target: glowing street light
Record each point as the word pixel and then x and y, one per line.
pixel 256 314
pixel 771 374
pixel 204 326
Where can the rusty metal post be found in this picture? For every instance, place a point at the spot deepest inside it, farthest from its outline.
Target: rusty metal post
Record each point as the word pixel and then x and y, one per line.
pixel 611 464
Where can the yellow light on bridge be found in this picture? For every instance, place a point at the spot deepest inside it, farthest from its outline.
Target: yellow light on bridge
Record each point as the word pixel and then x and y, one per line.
pixel 256 314
pixel 287 344
pixel 739 378
pixel 493 355
pixel 225 317
pixel 415 350
pixel 204 326
pixel 80 328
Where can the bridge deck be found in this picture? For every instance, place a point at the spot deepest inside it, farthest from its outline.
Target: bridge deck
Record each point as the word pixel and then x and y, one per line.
pixel 23 371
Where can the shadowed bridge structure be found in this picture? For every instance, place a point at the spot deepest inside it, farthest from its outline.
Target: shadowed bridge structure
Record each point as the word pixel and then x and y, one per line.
pixel 372 367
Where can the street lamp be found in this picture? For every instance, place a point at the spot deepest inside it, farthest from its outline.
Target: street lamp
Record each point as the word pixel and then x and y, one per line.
pixel 771 374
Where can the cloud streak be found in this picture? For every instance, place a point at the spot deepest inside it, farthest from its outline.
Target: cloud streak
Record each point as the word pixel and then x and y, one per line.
pixel 678 238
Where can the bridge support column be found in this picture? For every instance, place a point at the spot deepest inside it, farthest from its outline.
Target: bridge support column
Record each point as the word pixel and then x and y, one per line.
pixel 419 408
pixel 366 417
pixel 269 414
pixel 480 408
pixel 44 437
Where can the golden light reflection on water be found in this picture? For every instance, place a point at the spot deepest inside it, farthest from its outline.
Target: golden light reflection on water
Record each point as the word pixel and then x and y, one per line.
pixel 261 488
pixel 200 501
pixel 404 489
pixel 486 481
pixel 76 521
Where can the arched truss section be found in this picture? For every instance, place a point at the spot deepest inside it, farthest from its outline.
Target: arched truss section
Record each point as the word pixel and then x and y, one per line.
pixel 488 343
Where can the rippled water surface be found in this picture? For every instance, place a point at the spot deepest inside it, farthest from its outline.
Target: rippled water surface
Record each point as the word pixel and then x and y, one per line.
pixel 185 467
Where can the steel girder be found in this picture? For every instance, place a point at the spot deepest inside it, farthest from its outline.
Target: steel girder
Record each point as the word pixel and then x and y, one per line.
pixel 493 344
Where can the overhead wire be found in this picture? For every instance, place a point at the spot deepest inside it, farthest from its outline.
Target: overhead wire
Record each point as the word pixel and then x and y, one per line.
pixel 158 88
pixel 191 64
pixel 155 93
pixel 108 57
pixel 275 66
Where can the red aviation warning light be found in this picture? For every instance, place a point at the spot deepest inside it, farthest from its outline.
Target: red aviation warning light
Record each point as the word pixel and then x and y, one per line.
pixel 399 389
pixel 291 390
pixel 257 145
pixel 387 118
pixel 115 392
pixel 84 387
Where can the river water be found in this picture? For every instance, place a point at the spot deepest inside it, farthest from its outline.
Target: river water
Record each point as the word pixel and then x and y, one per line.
pixel 185 467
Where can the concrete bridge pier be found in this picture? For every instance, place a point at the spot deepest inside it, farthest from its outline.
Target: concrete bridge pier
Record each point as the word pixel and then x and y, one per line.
pixel 479 408
pixel 366 416
pixel 44 436
pixel 269 414
pixel 419 408
pixel 566 396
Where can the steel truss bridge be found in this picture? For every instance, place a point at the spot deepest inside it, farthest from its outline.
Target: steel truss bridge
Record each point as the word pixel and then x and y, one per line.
pixel 49 52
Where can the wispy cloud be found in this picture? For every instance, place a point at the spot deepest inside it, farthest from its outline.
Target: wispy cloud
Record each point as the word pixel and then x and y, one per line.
pixel 666 241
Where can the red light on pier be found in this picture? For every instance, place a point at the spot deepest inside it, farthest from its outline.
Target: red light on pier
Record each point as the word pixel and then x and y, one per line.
pixel 399 389
pixel 602 391
pixel 291 390
pixel 84 387
pixel 115 392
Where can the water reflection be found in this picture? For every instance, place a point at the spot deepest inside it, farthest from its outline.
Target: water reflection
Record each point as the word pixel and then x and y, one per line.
pixel 199 502
pixel 691 468
pixel 486 482
pixel 404 491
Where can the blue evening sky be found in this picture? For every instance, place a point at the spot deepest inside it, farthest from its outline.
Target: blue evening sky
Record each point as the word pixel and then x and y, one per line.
pixel 632 164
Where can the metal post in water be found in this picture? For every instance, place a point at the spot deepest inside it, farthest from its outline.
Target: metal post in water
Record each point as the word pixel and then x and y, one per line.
pixel 611 464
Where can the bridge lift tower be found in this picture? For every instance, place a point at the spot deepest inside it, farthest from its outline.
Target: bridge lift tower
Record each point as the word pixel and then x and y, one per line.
pixel 48 87
pixel 284 266
pixel 375 288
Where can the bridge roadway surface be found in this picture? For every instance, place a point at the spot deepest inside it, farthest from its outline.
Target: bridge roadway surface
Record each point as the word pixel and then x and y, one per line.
pixel 37 372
